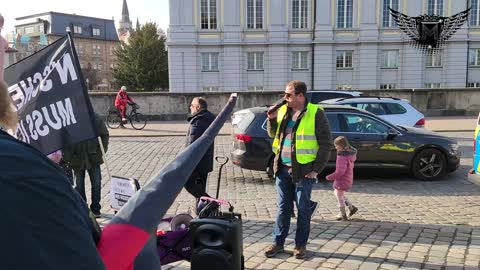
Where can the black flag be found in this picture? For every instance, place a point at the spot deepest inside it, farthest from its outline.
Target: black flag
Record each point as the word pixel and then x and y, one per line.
pixel 131 228
pixel 51 98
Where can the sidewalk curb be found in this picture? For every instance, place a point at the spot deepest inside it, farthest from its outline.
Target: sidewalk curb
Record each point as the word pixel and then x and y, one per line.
pixel 157 135
pixel 474 178
pixel 227 134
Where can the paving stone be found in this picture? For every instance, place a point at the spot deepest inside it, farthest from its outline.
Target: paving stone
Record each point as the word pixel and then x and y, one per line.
pixel 408 220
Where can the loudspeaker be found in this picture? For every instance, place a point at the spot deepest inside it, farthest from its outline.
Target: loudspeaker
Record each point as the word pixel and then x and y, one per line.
pixel 180 222
pixel 217 243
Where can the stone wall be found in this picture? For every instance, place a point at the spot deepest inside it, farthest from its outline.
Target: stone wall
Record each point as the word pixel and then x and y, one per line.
pixel 174 106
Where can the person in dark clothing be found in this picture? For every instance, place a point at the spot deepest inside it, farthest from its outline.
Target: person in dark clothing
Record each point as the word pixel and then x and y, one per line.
pixel 87 156
pixel 44 221
pixel 199 122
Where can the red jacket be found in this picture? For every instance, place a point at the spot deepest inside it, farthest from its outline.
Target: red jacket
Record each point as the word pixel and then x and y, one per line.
pixel 122 98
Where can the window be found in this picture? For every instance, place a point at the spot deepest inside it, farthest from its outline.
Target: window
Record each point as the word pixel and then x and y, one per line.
pixel 435 7
pixel 96 31
pixel 434 59
pixel 387 17
pixel 390 59
pixel 255 61
pixel 255 88
pixel 395 108
pixel 67 29
pixel 344 87
pixel 474 13
pixel 79 48
pixel 299 14
pixel 77 29
pixel 97 66
pixel 41 29
pixel 344 59
pixel 344 13
pixel 474 57
pixel 254 14
pixel 433 85
pixel 209 61
pixel 210 89
pixel 363 124
pixel 208 14
pixel 387 86
pixel 29 29
pixel 375 108
pixel 299 60
pixel 97 50
pixel 333 121
pixel 473 85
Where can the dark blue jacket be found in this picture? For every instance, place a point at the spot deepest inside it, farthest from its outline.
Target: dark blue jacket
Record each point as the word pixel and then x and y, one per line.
pixel 44 222
pixel 199 122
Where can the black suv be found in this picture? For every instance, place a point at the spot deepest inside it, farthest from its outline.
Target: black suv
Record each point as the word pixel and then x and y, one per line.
pixel 380 144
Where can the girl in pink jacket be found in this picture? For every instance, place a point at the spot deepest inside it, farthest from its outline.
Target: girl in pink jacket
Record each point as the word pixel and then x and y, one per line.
pixel 343 176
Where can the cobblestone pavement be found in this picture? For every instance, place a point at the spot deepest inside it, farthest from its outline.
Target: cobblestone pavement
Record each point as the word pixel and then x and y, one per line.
pixel 402 223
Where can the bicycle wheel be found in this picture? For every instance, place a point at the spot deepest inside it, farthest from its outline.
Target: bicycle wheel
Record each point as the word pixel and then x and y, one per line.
pixel 138 121
pixel 113 120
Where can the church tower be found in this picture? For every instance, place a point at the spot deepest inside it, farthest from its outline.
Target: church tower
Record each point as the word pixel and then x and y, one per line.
pixel 125 23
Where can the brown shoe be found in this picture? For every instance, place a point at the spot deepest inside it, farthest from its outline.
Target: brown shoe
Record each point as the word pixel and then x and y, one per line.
pixel 273 250
pixel 300 252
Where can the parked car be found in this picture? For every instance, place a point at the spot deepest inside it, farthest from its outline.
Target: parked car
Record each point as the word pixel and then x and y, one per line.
pixel 315 96
pixel 395 110
pixel 380 144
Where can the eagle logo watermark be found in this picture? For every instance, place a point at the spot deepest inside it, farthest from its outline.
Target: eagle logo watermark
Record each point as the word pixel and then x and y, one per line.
pixel 429 33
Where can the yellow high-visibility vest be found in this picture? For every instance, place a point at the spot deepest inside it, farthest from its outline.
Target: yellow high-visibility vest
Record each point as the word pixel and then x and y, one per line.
pixel 306 145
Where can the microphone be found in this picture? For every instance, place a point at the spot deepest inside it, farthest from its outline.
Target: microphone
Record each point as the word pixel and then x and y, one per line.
pixel 276 107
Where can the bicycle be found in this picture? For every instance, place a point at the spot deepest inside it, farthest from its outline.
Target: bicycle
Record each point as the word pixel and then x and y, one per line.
pixel 136 119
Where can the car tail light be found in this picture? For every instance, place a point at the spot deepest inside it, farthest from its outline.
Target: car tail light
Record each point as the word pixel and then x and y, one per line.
pixel 243 138
pixel 420 122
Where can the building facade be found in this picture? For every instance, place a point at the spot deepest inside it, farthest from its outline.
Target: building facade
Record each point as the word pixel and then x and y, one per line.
pixel 95 41
pixel 238 45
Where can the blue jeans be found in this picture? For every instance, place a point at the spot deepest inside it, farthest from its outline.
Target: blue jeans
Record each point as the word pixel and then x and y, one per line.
pixel 96 182
pixel 287 193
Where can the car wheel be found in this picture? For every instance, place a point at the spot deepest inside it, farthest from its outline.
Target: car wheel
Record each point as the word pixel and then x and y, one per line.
pixel 429 164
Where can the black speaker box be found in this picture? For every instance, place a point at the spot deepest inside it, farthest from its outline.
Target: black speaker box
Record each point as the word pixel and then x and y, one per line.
pixel 217 243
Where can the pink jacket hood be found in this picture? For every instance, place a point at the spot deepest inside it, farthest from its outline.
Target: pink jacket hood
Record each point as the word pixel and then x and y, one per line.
pixel 343 175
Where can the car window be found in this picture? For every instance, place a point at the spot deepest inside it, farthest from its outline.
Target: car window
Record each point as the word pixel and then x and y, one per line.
pixel 375 108
pixel 363 124
pixel 333 121
pixel 241 120
pixel 264 125
pixel 395 108
pixel 355 105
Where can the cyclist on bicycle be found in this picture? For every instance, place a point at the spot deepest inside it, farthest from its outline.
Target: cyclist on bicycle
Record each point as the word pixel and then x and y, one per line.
pixel 121 102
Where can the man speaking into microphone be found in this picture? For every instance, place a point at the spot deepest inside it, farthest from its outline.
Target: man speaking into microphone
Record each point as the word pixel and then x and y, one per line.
pixel 302 143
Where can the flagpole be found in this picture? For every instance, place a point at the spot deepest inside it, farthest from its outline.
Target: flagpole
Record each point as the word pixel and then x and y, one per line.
pixel 104 157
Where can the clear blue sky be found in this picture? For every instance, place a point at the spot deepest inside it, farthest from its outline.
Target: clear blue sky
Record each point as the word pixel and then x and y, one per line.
pixel 145 10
